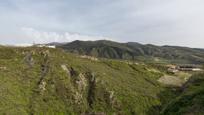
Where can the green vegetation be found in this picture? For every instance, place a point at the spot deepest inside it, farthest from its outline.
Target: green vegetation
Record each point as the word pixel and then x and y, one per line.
pixel 136 51
pixel 191 99
pixel 51 81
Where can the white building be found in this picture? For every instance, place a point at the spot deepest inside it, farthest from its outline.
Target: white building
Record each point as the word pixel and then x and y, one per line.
pixel 43 45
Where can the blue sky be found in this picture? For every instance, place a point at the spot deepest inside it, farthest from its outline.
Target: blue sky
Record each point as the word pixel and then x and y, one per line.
pixel 161 22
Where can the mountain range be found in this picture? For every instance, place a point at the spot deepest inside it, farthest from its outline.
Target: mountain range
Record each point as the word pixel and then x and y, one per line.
pixel 135 51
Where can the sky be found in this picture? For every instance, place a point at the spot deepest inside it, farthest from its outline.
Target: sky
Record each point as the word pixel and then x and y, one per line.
pixel 160 22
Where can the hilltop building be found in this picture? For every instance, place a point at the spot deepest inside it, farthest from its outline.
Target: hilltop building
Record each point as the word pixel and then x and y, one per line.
pixel 44 45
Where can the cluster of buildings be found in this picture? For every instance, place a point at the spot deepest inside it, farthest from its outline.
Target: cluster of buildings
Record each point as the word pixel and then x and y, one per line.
pixel 186 67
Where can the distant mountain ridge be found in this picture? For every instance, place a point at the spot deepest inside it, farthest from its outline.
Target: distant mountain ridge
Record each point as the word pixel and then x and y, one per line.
pixel 134 51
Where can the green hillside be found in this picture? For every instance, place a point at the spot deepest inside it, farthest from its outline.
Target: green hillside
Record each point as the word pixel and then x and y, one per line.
pixel 136 51
pixel 191 99
pixel 51 81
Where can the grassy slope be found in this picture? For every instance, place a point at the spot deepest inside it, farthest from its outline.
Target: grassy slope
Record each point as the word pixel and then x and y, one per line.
pixel 135 88
pixel 190 101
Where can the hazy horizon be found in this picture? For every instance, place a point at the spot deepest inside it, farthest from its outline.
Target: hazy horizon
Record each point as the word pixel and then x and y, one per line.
pixel 158 22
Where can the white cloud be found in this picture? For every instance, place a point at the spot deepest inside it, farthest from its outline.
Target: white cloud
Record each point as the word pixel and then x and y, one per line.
pixel 172 22
pixel 46 37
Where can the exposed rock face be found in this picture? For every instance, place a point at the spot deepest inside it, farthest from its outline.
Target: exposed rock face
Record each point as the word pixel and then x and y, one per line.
pixel 111 97
pixel 81 82
pixel 29 60
pixel 44 71
pixel 78 97
pixel 80 85
pixel 42 86
pixel 64 67
pixel 3 68
pixel 91 90
pixel 44 63
pixel 69 70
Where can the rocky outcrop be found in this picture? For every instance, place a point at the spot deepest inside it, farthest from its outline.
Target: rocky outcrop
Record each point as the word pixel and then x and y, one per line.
pixel 3 68
pixel 29 59
pixel 91 90
pixel 81 82
pixel 42 86
pixel 45 63
pixel 69 70
pixel 78 98
pixel 64 67
pixel 44 70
